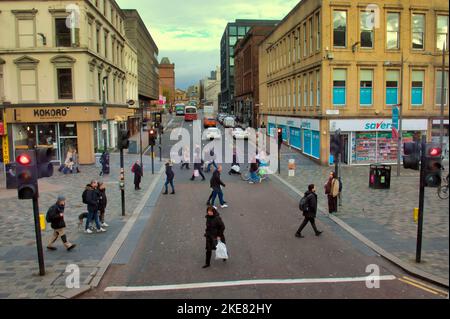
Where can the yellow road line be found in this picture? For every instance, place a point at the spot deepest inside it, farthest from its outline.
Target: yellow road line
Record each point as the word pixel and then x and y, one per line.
pixel 418 286
pixel 443 292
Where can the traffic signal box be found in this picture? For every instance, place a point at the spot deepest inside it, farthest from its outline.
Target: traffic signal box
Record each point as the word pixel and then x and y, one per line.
pixel 335 144
pixel 43 159
pixel 280 137
pixel 152 136
pixel 124 141
pixel 433 165
pixel 27 174
pixel 411 159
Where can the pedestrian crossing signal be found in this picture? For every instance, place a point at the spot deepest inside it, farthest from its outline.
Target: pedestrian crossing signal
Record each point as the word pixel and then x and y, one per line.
pixel 27 174
pixel 411 158
pixel 124 142
pixel 433 166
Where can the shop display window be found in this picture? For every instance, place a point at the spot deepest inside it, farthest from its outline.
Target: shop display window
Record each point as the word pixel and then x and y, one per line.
pixel 365 148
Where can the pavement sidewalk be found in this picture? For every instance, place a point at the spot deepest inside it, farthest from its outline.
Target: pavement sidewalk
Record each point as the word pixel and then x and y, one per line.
pixel 18 257
pixel 385 217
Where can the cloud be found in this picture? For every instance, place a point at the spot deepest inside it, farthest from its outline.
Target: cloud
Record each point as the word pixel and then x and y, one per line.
pixel 192 29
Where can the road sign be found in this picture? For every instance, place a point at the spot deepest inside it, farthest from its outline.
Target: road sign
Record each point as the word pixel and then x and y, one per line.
pixel 395 115
pixel 332 112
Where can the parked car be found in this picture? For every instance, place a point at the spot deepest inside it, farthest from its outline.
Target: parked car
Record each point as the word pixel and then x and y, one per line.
pixel 229 122
pixel 209 122
pixel 213 133
pixel 239 134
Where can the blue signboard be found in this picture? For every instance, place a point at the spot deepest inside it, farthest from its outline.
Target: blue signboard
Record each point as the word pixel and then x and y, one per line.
pixel 307 142
pixel 315 144
pixel 271 128
pixel 395 114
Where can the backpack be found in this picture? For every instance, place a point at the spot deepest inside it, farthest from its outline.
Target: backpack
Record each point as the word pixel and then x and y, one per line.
pixel 133 169
pixel 303 206
pixel 48 217
pixel 84 196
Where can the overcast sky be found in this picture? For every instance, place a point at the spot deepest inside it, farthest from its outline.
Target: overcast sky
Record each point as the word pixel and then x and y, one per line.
pixel 189 31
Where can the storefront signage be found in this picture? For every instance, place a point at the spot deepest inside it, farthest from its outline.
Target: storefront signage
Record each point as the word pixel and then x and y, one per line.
pixel 50 113
pixel 374 125
pixel 395 115
pixel 5 147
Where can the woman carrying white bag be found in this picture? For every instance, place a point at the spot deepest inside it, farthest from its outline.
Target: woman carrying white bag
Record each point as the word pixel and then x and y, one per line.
pixel 214 235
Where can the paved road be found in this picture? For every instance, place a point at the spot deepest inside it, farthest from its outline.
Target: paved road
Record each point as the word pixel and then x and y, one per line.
pixel 260 226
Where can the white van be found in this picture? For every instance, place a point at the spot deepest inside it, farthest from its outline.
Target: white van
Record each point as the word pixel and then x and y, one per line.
pixel 229 122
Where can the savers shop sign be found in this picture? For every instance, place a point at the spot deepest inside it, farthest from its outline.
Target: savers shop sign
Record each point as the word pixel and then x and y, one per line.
pixel 50 113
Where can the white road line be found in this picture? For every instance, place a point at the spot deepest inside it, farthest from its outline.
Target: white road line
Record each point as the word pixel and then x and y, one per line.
pixel 247 283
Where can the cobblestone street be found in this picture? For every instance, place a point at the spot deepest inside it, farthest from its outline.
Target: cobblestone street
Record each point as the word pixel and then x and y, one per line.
pixel 383 216
pixel 19 266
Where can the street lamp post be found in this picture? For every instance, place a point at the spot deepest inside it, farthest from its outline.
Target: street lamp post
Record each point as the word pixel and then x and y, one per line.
pixel 400 120
pixel 443 86
pixel 104 122
pixel 141 127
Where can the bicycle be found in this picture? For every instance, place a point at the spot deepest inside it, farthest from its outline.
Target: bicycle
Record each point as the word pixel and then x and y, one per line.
pixel 262 174
pixel 443 189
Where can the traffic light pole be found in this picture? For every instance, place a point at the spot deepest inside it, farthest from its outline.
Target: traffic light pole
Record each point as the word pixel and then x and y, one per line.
pixel 122 182
pixel 153 160
pixel 37 228
pixel 421 202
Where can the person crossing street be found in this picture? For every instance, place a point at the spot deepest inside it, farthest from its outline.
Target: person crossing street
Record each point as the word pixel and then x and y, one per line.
pixel 169 178
pixel 55 216
pixel 309 211
pixel 216 185
pixel 213 233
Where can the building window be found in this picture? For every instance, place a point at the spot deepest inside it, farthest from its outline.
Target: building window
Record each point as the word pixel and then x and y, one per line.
pixel 293 44
pixel 28 85
pixel 318 88
pixel 392 81
pixel 305 40
pixel 299 87
pixel 26 33
pixel 418 31
pixel 64 78
pixel 318 37
pixel 241 31
pixel 339 86
pixel 366 87
pixel 340 28
pixel 441 32
pixel 299 51
pixel 232 31
pixel 289 49
pixel 392 31
pixel 106 44
pixel 311 36
pixel 90 36
pixel 311 89
pixel 439 87
pixel 305 91
pixel 62 33
pixel 97 39
pixel 367 21
pixel 417 87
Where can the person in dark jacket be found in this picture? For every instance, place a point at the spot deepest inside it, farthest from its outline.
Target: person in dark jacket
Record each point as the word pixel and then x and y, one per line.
pixel 93 206
pixel 55 216
pixel 169 178
pixel 216 185
pixel 310 212
pixel 214 231
pixel 103 202
pixel 137 170
pixel 198 163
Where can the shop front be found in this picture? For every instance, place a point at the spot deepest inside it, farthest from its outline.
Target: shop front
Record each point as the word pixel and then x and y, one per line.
pixel 63 129
pixel 300 133
pixel 436 135
pixel 370 141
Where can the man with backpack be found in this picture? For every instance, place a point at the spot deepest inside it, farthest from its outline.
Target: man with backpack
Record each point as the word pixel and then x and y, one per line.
pixel 55 216
pixel 91 197
pixel 308 205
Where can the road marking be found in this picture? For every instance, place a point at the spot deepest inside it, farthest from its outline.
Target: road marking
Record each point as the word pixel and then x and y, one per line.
pixel 246 283
pixel 423 286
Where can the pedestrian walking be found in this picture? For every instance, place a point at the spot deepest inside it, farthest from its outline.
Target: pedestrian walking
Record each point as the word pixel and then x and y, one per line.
pixel 186 158
pixel 254 167
pixel 332 192
pixel 103 201
pixel 76 163
pixel 211 160
pixel 235 167
pixel 55 216
pixel 198 170
pixel 308 205
pixel 213 233
pixel 216 185
pixel 170 175
pixel 91 198
pixel 104 161
pixel 137 171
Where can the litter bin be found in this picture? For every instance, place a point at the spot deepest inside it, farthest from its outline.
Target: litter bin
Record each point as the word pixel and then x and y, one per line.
pixel 11 178
pixel 380 176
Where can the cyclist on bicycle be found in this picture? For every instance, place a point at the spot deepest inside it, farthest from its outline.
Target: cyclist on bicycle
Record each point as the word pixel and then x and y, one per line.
pixel 254 167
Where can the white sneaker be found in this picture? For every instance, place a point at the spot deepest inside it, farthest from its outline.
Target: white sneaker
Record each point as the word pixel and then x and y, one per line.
pixel 251 182
pixel 88 231
pixel 101 230
pixel 105 225
pixel 224 206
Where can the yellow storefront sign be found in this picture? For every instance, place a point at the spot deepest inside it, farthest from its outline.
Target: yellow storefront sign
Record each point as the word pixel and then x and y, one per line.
pixel 5 148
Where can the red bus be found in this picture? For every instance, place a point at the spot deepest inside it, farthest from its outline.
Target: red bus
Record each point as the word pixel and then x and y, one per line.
pixel 190 113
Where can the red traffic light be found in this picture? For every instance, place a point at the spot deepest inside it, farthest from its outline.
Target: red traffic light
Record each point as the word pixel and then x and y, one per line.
pixel 435 151
pixel 24 159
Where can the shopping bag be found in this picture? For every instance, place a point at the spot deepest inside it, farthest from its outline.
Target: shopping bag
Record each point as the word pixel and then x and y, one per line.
pixel 236 168
pixel 221 250
pixel 196 173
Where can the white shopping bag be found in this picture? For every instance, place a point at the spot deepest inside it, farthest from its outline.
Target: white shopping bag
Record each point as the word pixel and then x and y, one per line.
pixel 196 173
pixel 221 251
pixel 236 168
